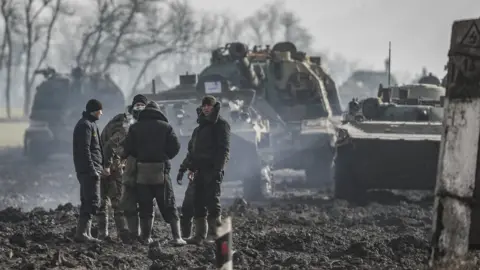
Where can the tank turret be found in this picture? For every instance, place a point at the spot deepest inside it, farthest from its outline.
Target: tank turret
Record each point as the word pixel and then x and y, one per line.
pixel 230 69
pixel 429 79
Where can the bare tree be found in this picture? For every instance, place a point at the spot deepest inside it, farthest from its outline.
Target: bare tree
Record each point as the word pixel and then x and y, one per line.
pixel 273 23
pixel 9 14
pixel 34 30
pixel 115 25
pixel 178 34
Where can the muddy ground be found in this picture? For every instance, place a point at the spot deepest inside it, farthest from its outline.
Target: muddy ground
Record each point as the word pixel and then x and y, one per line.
pixel 298 231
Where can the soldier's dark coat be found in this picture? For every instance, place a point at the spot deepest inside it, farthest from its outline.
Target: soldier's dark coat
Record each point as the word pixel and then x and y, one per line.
pixel 88 161
pixel 87 148
pixel 208 153
pixel 209 147
pixel 147 148
pixel 152 140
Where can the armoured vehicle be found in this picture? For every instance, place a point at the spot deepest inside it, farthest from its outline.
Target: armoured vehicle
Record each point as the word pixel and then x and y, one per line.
pixel 280 105
pixel 400 131
pixel 428 78
pixel 58 103
pixel 364 83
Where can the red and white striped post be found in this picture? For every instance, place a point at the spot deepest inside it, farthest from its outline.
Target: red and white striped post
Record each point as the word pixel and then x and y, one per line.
pixel 224 246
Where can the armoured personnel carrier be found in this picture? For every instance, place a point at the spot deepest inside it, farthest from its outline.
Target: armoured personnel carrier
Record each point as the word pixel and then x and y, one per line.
pixel 280 105
pixel 400 131
pixel 364 83
pixel 58 103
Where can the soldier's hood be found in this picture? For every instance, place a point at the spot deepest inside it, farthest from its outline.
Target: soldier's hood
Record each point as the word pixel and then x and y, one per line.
pixel 118 118
pixel 212 117
pixel 152 113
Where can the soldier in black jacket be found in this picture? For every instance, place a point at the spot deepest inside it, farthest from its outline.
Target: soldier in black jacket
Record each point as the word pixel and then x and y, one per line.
pixel 88 160
pixel 208 153
pixel 153 143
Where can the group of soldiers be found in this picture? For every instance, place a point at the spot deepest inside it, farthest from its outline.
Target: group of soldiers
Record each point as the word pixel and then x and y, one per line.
pixel 127 167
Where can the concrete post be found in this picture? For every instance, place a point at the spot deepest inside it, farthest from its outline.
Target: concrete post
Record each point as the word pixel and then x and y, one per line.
pixel 224 246
pixel 457 165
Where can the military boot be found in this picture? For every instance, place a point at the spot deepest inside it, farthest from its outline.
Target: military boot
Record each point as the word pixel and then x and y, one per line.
pixel 177 234
pixel 186 226
pixel 213 224
pixel 146 225
pixel 200 232
pixel 102 226
pixel 83 229
pixel 122 231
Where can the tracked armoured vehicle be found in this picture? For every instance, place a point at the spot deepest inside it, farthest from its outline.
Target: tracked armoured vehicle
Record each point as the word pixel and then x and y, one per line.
pixel 58 103
pixel 364 83
pixel 390 142
pixel 280 105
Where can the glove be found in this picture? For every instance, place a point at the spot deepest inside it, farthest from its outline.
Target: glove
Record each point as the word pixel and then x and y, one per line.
pixel 180 177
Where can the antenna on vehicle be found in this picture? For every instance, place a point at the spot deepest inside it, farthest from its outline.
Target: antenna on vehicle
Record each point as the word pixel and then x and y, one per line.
pixel 389 61
pixel 154 90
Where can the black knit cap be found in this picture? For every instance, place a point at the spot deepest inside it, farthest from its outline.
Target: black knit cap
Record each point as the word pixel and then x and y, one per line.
pixel 93 105
pixel 152 104
pixel 209 100
pixel 139 99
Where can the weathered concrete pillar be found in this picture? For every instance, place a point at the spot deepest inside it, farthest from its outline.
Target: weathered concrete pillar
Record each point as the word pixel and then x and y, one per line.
pixel 457 167
pixel 224 246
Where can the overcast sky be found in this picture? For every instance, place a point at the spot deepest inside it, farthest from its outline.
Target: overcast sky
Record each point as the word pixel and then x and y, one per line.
pixel 361 29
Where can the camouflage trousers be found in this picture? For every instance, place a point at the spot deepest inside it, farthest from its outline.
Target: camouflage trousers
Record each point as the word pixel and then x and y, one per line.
pixel 128 201
pixel 110 193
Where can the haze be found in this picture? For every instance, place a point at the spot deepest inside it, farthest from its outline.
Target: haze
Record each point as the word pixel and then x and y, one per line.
pixel 361 29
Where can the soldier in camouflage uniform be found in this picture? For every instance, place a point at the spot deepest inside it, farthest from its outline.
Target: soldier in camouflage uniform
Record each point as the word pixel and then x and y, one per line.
pixel 128 201
pixel 112 138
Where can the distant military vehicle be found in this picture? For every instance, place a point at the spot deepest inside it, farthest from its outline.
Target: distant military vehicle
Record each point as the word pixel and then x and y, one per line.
pixel 279 104
pixel 58 103
pixel 428 78
pixel 400 131
pixel 364 83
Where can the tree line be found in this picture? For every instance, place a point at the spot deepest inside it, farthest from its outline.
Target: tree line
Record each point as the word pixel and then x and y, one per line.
pixel 133 40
